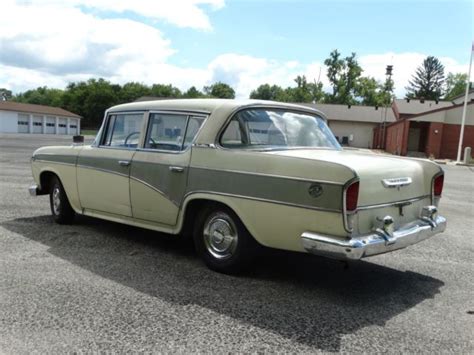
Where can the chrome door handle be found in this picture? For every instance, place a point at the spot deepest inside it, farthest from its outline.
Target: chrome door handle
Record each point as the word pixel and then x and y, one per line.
pixel 176 169
pixel 124 162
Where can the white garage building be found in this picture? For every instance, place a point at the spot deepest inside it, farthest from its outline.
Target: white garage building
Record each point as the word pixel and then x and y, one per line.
pixel 16 117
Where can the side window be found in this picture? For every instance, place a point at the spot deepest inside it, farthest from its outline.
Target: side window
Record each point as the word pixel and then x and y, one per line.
pixel 166 132
pixel 123 130
pixel 194 123
pixel 232 135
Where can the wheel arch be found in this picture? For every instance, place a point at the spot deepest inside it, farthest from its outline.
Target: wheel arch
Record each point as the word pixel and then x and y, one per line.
pixel 45 180
pixel 195 202
pixel 46 176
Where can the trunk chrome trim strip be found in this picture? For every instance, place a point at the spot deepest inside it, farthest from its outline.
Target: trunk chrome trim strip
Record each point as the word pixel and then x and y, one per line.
pixel 269 175
pixel 261 199
pixel 389 204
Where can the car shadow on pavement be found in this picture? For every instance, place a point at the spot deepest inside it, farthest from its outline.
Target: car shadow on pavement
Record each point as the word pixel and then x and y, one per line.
pixel 303 298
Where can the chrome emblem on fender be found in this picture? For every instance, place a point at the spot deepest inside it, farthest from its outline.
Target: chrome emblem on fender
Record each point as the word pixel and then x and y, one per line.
pixel 397 182
pixel 315 190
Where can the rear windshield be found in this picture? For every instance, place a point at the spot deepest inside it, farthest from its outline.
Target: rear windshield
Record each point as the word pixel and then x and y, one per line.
pixel 278 129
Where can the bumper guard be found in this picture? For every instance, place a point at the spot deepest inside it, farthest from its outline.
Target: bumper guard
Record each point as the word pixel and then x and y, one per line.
pixel 382 240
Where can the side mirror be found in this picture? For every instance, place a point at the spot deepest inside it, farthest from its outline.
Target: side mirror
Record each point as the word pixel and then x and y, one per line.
pixel 78 139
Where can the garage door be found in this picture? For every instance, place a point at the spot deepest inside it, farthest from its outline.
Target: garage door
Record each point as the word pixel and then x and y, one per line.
pixel 62 126
pixel 73 127
pixel 50 125
pixel 23 123
pixel 37 124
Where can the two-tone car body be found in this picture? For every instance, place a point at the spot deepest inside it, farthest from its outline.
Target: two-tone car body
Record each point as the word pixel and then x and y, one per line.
pixel 240 174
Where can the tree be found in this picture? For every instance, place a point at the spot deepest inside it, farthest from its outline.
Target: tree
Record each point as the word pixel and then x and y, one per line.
pixel 193 93
pixel 387 92
pixel 5 94
pixel 41 96
pixel 370 92
pixel 343 74
pixel 304 91
pixel 428 80
pixel 90 99
pixel 455 85
pixel 131 91
pixel 220 90
pixel 168 91
pixel 267 92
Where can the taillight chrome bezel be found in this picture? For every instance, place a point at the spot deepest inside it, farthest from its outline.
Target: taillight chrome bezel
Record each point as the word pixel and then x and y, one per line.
pixel 434 197
pixel 347 215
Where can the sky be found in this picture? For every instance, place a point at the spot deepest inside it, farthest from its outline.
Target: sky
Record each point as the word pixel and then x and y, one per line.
pixel 244 43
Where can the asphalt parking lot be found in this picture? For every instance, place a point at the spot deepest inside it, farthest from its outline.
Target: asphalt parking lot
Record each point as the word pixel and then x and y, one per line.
pixel 100 286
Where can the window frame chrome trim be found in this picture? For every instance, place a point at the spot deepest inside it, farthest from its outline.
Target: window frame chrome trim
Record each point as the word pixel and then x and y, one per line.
pixel 188 115
pixel 103 129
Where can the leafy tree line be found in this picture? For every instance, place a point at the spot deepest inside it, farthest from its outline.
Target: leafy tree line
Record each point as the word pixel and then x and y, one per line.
pixel 350 87
pixel 92 97
pixel 347 86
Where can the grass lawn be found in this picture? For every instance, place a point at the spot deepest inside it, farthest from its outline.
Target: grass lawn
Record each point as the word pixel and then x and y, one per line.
pixel 89 132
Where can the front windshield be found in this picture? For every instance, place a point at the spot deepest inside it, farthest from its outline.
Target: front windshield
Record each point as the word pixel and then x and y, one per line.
pixel 277 129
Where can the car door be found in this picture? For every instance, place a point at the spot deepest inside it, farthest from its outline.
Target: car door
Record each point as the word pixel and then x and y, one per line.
pixel 103 169
pixel 159 171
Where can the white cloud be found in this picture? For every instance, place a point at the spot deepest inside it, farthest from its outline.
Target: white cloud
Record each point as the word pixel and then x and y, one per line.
pixel 54 42
pixel 182 13
pixel 245 73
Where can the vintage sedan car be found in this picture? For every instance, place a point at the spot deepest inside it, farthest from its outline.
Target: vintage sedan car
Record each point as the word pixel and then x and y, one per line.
pixel 238 175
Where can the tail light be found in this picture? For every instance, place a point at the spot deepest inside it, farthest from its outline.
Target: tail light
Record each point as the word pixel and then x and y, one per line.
pixel 352 195
pixel 438 183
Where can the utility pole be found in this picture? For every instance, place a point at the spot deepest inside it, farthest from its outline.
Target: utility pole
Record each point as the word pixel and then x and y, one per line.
pixel 388 74
pixel 463 120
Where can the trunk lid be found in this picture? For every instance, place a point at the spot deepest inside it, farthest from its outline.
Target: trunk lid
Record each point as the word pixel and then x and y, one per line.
pixel 376 172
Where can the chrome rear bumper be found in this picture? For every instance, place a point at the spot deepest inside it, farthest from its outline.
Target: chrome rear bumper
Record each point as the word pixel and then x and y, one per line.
pixel 381 241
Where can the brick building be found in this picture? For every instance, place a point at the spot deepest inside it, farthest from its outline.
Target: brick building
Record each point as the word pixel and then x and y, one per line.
pixel 427 128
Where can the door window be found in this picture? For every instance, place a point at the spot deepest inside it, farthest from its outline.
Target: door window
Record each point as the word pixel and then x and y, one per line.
pixel 123 130
pixel 172 132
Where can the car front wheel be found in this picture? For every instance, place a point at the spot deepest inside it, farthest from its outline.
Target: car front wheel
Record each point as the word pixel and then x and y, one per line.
pixel 222 240
pixel 60 207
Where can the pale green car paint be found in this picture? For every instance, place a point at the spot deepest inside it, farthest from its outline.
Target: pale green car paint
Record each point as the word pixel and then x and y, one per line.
pixel 269 191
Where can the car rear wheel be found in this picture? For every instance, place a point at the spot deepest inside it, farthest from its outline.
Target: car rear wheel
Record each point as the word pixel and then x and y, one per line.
pixel 60 207
pixel 222 240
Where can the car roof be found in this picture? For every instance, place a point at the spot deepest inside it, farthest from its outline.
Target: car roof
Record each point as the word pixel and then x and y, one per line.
pixel 204 105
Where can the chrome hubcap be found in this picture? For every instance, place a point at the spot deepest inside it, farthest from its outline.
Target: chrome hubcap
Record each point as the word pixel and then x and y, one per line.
pixel 56 200
pixel 220 236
